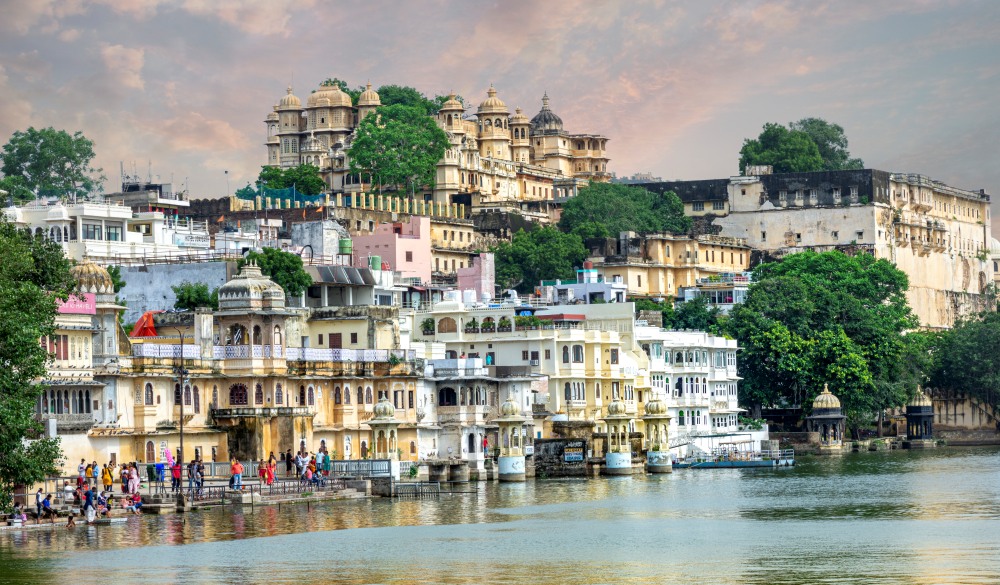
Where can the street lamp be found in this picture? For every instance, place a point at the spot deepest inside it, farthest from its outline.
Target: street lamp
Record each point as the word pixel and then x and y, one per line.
pixel 182 374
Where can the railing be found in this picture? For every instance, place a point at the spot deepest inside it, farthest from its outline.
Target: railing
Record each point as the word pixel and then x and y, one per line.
pixel 347 355
pixel 162 350
pixel 321 484
pixel 360 468
pixel 223 352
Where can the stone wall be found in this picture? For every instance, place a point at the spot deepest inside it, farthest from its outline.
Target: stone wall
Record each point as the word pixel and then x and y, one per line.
pixel 549 458
pixel 148 288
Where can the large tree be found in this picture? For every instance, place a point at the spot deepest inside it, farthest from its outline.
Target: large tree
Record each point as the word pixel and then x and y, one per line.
pixel 605 209
pixel 787 151
pixel 831 141
pixel 33 275
pixel 402 95
pixel 354 93
pixel 536 255
pixel 305 178
pixel 816 318
pixel 282 267
pixel 49 162
pixel 194 295
pixel 968 359
pixel 398 145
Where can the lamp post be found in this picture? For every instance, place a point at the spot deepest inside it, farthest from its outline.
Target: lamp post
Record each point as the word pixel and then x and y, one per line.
pixel 182 374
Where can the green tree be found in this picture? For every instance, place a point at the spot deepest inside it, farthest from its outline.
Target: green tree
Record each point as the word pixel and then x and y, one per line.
pixel 354 93
pixel 697 315
pixel 536 255
pixel 399 145
pixel 620 208
pixel 831 142
pixel 439 101
pixel 50 162
pixel 816 318
pixel 192 295
pixel 282 267
pixel 116 277
pixel 33 275
pixel 666 309
pixel 788 151
pixel 402 95
pixel 305 178
pixel 968 359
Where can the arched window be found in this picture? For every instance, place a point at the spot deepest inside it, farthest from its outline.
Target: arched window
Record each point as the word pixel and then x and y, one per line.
pixel 565 353
pixel 177 393
pixel 302 395
pixel 368 395
pixel 187 395
pixel 258 394
pixel 197 400
pixel 568 391
pixel 279 396
pixel 312 396
pixel 447 325
pixel 447 397
pixel 149 395
pixel 336 395
pixel 361 395
pixel 238 395
pixel 578 354
pixel 680 418
pixel 413 448
pixel 256 335
pixel 150 452
pixel 215 397
pixel 347 394
pixel 276 338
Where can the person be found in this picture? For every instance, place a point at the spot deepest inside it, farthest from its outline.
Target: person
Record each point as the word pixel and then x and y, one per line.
pixel 124 478
pixel 67 492
pixel 307 476
pixel 71 523
pixel 95 473
pixel 47 510
pixel 201 475
pixel 103 505
pixel 19 513
pixel 262 471
pixel 133 504
pixel 326 464
pixel 192 470
pixel 81 469
pixel 38 504
pixel 270 472
pixel 133 479
pixel 271 459
pixel 88 505
pixel 236 468
pixel 107 479
pixel 288 462
pixel 175 476
pixel 161 471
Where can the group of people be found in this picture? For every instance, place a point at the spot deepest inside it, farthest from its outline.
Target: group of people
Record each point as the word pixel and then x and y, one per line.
pixel 195 471
pixel 94 475
pixel 93 503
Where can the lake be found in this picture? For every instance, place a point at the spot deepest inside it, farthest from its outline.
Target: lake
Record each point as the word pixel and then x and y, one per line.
pixel 911 517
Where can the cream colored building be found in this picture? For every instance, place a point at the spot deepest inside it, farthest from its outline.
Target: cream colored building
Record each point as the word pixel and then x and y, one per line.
pixel 498 156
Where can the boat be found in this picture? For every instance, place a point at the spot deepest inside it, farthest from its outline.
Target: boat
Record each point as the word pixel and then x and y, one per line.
pixel 726 459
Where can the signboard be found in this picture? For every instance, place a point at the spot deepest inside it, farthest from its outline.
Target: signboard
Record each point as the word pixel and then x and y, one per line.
pixel 529 449
pixel 78 304
pixel 191 240
pixel 573 451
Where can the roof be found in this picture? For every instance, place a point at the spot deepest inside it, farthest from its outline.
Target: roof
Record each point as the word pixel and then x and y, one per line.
pixel 343 275
pixel 562 317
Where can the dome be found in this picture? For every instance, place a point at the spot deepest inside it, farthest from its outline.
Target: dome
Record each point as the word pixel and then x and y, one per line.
pixel 921 399
pixel 546 119
pixel 272 117
pixel 519 118
pixel 384 408
pixel 329 96
pixel 289 100
pixel 994 246
pixel 826 399
pixel 492 104
pixel 91 278
pixel 369 97
pixel 616 408
pixel 250 289
pixel 656 407
pixel 508 408
pixel 312 144
pixel 451 104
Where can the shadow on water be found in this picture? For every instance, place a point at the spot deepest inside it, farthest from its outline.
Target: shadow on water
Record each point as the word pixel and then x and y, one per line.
pixel 894 518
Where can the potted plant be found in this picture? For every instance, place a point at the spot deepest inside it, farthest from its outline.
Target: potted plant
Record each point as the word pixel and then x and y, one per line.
pixel 472 326
pixel 503 324
pixel 427 326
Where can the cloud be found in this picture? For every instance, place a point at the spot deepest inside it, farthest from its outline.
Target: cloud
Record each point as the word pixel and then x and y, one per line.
pixel 15 110
pixel 196 132
pixel 22 17
pixel 124 64
pixel 69 35
pixel 251 16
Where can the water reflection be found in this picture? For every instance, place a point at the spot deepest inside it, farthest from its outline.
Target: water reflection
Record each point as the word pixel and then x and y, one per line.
pixel 896 518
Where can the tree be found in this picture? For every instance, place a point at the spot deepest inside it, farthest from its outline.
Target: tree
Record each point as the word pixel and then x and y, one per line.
pixel 399 145
pixel 49 162
pixel 33 275
pixel 607 208
pixel 666 309
pixel 697 315
pixel 831 142
pixel 536 255
pixel 439 101
pixel 354 93
pixel 193 295
pixel 116 277
pixel 282 267
pixel 788 151
pixel 305 178
pixel 402 95
pixel 968 359
pixel 816 318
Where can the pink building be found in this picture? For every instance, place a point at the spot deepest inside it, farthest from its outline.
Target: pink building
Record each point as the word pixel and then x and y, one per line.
pixel 404 246
pixel 479 277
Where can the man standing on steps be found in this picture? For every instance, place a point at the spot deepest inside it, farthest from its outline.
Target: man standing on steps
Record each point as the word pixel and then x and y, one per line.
pixel 192 472
pixel 236 468
pixel 81 471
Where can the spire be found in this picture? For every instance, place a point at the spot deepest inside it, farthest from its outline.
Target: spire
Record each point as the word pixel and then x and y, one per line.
pixel 545 100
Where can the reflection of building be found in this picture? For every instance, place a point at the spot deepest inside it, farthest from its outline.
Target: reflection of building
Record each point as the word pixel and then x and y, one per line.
pixel 937 234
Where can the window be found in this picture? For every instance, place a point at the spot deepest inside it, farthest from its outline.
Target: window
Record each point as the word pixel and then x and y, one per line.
pixel 409 256
pixel 354 338
pixel 149 395
pixel 114 233
pixel 835 235
pixel 258 394
pixel 614 356
pixel 638 280
pixel 698 206
pixel 718 205
pixel 763 237
pixel 238 395
pixel 860 234
pixel 524 355
pixel 565 354
pixel 548 352
pixel 311 396
pixel 279 397
pixel 578 354
pixel 798 237
pixel 319 339
pixel 91 231
pixel 409 400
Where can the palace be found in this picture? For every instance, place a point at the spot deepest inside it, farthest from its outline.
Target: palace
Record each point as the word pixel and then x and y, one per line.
pixel 497 159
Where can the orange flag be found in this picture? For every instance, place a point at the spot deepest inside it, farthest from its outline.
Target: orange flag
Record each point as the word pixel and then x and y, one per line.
pixel 222 218
pixel 319 209
pixel 303 214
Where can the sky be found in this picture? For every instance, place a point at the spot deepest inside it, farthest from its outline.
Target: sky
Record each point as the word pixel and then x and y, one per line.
pixel 183 86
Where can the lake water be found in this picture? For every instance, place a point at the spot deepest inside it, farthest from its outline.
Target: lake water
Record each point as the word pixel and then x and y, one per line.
pixel 899 517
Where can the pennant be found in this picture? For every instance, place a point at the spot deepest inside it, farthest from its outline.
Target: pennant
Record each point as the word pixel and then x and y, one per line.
pixel 221 219
pixel 303 214
pixel 319 209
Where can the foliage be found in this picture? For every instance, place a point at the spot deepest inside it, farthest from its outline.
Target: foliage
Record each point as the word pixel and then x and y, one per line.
pixel 427 325
pixel 354 93
pixel 116 277
pixel 305 179
pixel 504 322
pixel 817 318
pixel 967 359
pixel 605 209
pixel 541 254
pixel 282 267
pixel 831 142
pixel 527 321
pixel 788 151
pixel 399 145
pixel 439 101
pixel 50 162
pixel 33 275
pixel 193 295
pixel 401 95
pixel 665 308
pixel 697 315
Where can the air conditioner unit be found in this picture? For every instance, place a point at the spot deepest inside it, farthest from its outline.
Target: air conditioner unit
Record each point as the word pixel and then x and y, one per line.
pixel 533 362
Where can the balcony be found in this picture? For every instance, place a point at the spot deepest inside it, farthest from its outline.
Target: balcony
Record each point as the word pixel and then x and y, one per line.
pixel 259 412
pixel 68 422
